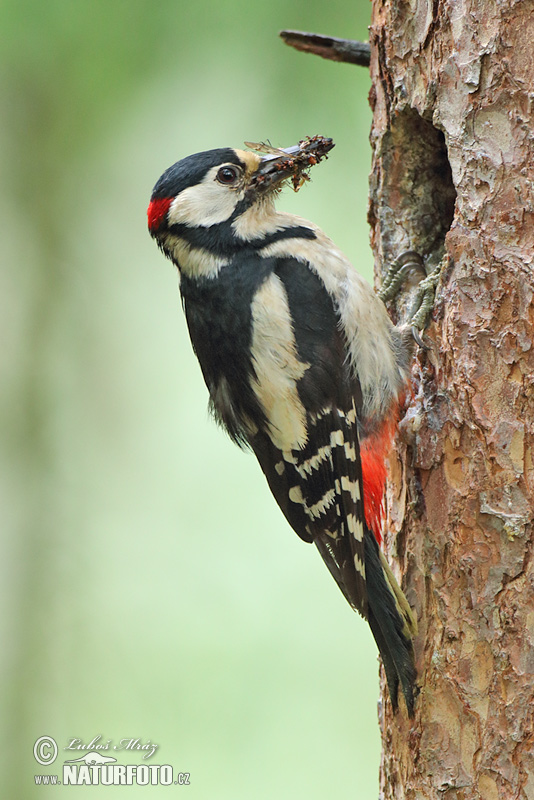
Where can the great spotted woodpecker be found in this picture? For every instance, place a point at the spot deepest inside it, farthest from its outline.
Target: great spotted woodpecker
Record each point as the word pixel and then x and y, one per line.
pixel 302 364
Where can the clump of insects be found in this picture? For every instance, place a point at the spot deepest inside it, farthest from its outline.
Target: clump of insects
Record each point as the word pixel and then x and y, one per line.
pixel 296 161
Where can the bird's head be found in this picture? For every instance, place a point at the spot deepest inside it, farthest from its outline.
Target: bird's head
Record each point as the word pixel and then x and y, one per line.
pixel 202 197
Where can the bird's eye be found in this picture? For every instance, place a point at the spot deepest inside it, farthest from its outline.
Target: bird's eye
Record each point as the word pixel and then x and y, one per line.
pixel 228 175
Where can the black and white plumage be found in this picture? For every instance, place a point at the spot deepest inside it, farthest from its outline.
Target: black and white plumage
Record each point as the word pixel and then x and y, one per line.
pixel 301 362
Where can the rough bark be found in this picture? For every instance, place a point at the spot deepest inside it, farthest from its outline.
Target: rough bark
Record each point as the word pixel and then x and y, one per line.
pixel 453 91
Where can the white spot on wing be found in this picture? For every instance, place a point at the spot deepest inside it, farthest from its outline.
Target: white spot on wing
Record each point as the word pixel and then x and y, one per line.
pixel 353 487
pixel 295 495
pixel 360 567
pixel 355 526
pixel 350 451
pixel 351 416
pixel 332 554
pixel 307 467
pixel 325 502
pixel 323 413
pixel 336 438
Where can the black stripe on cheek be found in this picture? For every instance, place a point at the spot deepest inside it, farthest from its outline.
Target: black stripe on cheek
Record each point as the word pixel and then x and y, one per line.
pixel 216 239
pixel 298 232
pixel 221 239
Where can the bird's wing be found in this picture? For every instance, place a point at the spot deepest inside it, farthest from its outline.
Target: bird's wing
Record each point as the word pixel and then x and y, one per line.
pixel 319 490
pixel 318 484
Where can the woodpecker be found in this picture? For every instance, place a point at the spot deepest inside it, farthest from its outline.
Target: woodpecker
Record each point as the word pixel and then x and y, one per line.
pixel 302 363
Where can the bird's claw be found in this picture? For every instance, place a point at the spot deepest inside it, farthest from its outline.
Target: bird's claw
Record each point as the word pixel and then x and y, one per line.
pixel 406 263
pixel 423 303
pixel 418 338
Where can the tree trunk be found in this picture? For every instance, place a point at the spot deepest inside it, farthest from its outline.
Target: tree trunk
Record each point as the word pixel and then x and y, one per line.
pixel 453 90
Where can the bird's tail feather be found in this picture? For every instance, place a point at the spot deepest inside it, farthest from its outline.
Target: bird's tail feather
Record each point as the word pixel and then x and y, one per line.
pixel 392 623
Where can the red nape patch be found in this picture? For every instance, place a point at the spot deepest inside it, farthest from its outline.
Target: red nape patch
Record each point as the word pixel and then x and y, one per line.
pixel 374 451
pixel 156 212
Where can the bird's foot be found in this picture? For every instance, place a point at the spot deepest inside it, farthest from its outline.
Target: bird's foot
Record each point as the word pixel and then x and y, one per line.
pixel 423 304
pixel 407 264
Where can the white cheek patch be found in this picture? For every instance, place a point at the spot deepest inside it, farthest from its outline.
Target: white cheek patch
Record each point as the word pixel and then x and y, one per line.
pixel 207 203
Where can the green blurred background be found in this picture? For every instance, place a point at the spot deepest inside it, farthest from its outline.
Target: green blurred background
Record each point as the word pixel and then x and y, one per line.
pixel 150 586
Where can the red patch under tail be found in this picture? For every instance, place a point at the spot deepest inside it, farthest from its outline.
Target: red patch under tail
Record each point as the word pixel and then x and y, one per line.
pixel 374 451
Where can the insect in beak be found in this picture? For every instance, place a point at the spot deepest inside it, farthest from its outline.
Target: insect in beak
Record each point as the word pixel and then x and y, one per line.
pixel 280 164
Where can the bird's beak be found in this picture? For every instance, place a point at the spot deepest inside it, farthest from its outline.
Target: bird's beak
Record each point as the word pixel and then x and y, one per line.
pixel 293 162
